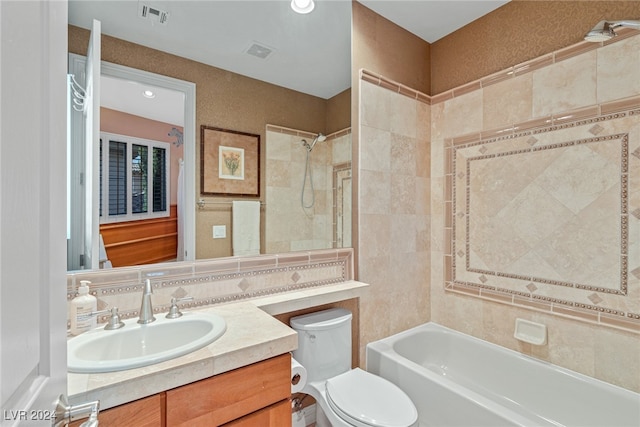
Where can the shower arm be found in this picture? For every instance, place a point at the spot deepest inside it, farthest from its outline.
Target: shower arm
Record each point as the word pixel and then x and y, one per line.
pixel 626 23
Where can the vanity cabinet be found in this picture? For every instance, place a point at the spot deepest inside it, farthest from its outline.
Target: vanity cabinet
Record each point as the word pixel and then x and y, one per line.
pixel 263 387
pixel 254 395
pixel 146 412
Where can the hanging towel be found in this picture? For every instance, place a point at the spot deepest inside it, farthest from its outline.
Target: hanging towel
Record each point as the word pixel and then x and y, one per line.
pixel 246 228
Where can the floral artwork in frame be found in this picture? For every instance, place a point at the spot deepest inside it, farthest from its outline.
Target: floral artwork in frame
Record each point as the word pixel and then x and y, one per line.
pixel 229 162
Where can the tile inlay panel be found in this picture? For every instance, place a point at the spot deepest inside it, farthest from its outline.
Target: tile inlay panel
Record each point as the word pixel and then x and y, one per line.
pixel 547 214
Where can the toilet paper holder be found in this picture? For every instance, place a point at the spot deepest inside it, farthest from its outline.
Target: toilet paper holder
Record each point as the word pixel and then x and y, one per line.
pixel 295 379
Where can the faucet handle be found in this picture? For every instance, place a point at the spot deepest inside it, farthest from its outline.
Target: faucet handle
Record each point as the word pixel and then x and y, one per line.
pixel 114 319
pixel 174 311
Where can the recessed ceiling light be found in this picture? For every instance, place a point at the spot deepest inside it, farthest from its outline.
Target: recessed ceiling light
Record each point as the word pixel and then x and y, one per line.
pixel 148 94
pixel 302 6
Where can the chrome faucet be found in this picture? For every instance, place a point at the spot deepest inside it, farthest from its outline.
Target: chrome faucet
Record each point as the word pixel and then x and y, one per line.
pixel 146 309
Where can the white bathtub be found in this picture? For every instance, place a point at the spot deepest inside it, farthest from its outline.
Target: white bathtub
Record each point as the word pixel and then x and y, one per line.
pixel 458 380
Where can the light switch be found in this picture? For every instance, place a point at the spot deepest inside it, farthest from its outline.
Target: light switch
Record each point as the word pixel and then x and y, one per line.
pixel 219 231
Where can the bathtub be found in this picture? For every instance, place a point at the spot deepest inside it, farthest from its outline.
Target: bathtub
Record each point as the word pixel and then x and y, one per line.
pixel 458 380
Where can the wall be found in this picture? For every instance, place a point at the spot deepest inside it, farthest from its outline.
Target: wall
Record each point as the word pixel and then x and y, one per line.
pixel 289 226
pixel 566 249
pixel 516 32
pixel 391 171
pixel 394 210
pixel 223 99
pixel 389 50
pixel 595 344
pixel 214 281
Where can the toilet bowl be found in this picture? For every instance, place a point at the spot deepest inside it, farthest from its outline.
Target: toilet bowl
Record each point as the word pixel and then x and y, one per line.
pixel 345 396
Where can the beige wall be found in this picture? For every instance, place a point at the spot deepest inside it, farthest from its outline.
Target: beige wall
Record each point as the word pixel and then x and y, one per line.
pixel 591 326
pixel 517 32
pixel 380 45
pixel 339 112
pixel 289 226
pixel 580 338
pixel 394 212
pixel 391 168
pixel 226 100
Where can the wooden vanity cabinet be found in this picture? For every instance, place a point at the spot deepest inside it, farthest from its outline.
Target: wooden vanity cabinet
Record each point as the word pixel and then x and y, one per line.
pixel 233 395
pixel 257 395
pixel 146 412
pixel 276 415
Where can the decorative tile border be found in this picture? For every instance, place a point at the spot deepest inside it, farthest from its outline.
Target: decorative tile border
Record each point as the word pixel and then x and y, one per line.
pixel 214 281
pixel 624 148
pixel 593 311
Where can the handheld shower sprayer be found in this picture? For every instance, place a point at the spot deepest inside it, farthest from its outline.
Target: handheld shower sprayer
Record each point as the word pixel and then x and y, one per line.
pixel 603 30
pixel 308 172
pixel 319 138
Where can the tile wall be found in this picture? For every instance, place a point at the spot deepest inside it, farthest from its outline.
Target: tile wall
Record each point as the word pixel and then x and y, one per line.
pixel 289 226
pixel 564 182
pixel 578 110
pixel 213 281
pixel 394 209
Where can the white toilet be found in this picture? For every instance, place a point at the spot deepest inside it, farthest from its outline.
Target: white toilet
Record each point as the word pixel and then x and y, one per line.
pixel 345 396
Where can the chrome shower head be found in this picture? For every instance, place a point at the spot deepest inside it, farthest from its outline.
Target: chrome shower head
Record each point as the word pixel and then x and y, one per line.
pixel 603 31
pixel 600 33
pixel 319 138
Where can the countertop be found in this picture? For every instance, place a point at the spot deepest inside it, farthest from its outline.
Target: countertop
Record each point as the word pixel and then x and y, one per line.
pixel 252 335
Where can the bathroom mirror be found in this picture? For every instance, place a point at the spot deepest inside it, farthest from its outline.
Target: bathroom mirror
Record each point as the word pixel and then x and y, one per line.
pixel 317 33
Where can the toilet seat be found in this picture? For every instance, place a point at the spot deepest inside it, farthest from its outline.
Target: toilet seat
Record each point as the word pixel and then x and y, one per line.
pixel 366 400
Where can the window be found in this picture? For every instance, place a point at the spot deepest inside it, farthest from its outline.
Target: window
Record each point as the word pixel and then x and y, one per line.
pixel 134 178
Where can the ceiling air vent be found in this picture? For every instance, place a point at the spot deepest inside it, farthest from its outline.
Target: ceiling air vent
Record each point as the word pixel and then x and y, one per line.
pixel 259 50
pixel 152 13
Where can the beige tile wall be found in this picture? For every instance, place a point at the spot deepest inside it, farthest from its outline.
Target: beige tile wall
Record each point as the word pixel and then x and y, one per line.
pixel 576 91
pixel 571 90
pixel 289 226
pixel 213 281
pixel 394 211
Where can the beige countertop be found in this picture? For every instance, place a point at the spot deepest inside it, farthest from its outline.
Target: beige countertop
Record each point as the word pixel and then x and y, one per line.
pixel 252 335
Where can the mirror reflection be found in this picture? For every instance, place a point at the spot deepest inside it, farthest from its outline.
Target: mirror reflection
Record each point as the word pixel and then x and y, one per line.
pixel 300 90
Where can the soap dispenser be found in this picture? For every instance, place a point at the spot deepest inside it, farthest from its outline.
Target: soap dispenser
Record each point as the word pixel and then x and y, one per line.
pixel 80 309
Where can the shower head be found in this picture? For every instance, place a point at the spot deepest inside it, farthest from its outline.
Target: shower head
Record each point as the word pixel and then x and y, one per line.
pixel 319 138
pixel 603 31
pixel 600 33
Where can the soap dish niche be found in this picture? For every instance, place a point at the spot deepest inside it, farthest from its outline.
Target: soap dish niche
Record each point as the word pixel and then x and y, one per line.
pixel 530 332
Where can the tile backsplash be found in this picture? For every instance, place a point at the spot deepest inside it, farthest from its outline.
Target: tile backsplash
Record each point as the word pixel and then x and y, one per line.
pixel 214 281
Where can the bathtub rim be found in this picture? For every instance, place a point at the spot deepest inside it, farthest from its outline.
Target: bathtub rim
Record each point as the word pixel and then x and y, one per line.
pixel 389 341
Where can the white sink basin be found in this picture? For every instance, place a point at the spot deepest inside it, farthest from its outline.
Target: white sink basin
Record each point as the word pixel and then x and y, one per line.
pixel 137 345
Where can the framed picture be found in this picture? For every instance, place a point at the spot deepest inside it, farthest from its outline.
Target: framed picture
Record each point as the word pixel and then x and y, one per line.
pixel 229 162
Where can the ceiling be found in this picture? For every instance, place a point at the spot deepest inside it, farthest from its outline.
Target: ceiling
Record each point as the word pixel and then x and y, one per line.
pixel 306 53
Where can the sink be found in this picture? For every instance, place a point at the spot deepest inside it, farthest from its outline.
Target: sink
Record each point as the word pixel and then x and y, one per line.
pixel 137 345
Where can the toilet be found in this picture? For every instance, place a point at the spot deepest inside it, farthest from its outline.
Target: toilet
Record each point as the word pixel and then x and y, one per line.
pixel 345 396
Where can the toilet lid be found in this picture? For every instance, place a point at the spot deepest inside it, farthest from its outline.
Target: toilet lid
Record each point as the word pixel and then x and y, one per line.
pixel 364 399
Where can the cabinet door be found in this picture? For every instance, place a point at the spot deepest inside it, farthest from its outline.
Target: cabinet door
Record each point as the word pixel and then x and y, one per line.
pixel 231 395
pixel 147 412
pixel 278 415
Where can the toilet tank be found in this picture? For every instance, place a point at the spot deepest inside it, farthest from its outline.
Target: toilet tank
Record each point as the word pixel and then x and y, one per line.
pixel 324 342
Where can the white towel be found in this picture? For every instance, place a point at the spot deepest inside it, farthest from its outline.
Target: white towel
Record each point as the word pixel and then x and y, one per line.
pixel 246 228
